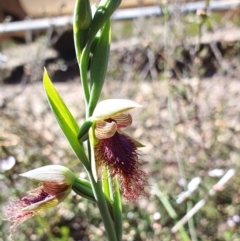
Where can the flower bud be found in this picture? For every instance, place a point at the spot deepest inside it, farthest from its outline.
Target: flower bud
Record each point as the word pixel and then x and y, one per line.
pixel 83 14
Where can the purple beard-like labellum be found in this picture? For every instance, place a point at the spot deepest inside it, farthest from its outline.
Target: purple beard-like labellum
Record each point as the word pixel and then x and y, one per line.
pixel 14 211
pixel 119 154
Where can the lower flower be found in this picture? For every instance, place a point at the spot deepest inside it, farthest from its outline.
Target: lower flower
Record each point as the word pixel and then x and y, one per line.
pixel 56 182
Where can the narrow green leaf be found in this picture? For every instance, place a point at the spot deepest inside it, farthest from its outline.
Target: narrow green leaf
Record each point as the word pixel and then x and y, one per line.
pixel 99 65
pixel 64 119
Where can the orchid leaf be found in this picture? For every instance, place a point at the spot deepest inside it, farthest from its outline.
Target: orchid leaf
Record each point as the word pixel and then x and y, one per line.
pixel 64 118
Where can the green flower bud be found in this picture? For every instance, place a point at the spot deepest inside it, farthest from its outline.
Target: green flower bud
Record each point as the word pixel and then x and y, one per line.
pixel 81 22
pixel 82 15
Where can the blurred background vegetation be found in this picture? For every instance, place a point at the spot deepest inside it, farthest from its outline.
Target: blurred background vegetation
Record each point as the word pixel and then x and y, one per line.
pixel 184 69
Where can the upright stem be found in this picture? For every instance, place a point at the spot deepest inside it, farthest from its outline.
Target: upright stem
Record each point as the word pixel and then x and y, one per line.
pixel 103 208
pixel 103 205
pixel 83 38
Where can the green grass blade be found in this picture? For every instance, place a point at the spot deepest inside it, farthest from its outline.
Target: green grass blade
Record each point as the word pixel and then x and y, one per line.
pixel 172 213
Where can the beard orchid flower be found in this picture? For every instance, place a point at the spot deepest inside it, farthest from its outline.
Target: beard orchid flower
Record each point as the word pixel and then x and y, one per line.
pixel 115 150
pixel 56 182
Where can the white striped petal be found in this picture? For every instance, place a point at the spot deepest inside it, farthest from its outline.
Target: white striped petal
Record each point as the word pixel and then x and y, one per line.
pixel 105 129
pixel 123 120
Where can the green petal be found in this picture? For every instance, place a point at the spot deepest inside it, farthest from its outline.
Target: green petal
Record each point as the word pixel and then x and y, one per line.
pixel 47 203
pixel 136 143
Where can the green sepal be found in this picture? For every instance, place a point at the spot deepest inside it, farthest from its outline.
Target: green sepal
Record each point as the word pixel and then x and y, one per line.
pixel 136 143
pixel 83 188
pixel 83 132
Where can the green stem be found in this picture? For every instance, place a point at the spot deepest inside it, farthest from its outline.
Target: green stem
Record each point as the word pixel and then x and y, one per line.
pixel 117 210
pixel 103 208
pixel 83 42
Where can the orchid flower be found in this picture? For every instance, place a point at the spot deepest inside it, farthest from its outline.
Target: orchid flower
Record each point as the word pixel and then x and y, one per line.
pixel 114 149
pixel 56 182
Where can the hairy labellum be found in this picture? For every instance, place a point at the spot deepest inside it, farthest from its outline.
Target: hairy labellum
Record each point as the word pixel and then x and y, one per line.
pixel 119 155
